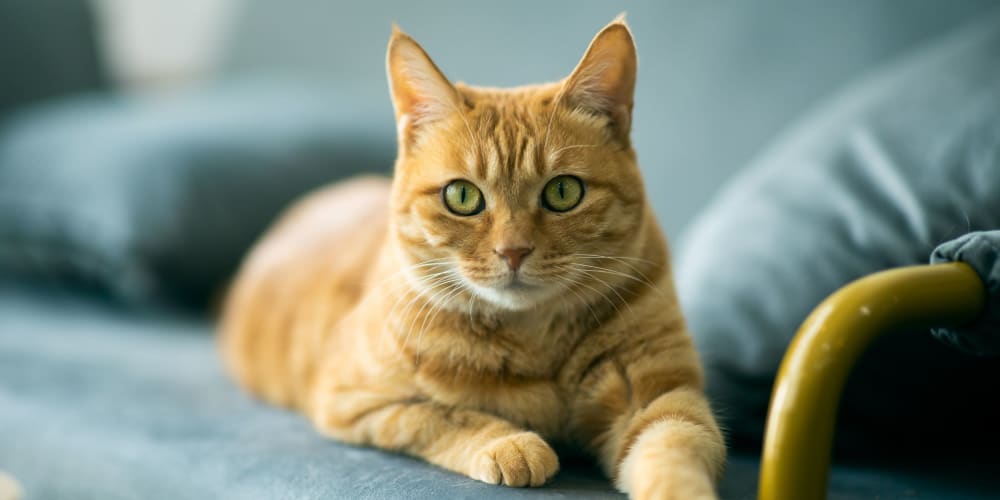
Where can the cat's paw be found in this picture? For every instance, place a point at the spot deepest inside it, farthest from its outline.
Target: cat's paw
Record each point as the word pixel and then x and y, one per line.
pixel 673 489
pixel 522 459
pixel 667 462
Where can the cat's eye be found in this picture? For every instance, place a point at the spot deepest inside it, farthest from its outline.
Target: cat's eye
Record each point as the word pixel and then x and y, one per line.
pixel 562 193
pixel 463 198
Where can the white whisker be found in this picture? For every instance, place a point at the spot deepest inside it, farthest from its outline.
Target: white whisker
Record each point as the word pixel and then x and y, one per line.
pixel 605 283
pixel 624 261
pixel 564 148
pixel 562 282
pixel 449 282
pixel 548 126
pixel 606 270
pixel 444 301
pixel 599 293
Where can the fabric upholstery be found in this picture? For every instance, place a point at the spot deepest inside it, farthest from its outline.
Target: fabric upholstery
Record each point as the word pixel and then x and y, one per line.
pixel 48 48
pixel 902 161
pixel 159 198
pixel 981 250
pixel 98 402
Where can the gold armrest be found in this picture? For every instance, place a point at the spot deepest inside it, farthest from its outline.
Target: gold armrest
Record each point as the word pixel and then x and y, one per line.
pixel 801 418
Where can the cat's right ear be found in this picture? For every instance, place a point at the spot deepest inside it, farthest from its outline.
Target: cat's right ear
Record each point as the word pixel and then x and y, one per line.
pixel 603 83
pixel 420 92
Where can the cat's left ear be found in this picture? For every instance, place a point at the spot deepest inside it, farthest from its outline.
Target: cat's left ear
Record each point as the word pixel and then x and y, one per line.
pixel 420 92
pixel 603 83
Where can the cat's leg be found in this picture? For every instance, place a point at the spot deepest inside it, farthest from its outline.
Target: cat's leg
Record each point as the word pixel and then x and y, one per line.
pixel 671 449
pixel 479 445
pixel 651 427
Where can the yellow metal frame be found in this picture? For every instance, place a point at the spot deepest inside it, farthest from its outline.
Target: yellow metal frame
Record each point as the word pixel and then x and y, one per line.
pixel 801 419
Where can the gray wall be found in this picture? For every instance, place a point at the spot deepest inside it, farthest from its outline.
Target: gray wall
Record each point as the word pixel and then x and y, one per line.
pixel 718 79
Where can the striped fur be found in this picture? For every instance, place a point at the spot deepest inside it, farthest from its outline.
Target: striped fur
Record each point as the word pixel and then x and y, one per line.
pixel 389 322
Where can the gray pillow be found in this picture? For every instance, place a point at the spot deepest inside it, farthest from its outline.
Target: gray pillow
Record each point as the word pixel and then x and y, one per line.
pixel 981 250
pixel 155 198
pixel 903 161
pixel 47 48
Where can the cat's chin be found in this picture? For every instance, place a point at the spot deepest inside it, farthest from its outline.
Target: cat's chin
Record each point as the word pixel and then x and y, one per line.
pixel 516 296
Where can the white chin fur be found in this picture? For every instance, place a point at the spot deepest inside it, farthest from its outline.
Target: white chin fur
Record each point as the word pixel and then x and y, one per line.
pixel 513 300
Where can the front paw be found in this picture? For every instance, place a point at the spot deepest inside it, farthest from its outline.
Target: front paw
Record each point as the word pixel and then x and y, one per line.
pixel 660 486
pixel 522 459
pixel 660 467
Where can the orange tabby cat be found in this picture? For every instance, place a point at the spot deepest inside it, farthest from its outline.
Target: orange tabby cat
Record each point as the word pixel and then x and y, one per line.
pixel 509 288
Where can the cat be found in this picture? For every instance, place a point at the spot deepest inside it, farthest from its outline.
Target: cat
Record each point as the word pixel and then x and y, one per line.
pixel 507 289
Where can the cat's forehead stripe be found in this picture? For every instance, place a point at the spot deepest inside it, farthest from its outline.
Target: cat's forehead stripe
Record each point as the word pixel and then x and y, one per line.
pixel 509 144
pixel 474 161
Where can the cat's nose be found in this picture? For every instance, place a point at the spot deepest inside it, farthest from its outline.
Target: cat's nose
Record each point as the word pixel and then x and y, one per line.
pixel 513 256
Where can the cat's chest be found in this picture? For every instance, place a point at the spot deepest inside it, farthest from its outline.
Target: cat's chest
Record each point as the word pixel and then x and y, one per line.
pixel 507 368
pixel 534 404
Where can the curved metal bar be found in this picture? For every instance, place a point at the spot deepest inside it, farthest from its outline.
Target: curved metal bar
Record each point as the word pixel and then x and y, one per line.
pixel 803 411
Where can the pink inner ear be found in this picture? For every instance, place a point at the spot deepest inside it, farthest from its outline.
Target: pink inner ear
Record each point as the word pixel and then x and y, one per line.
pixel 420 92
pixel 604 80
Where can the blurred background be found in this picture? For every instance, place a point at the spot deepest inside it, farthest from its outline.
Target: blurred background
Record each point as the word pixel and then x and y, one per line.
pixel 717 79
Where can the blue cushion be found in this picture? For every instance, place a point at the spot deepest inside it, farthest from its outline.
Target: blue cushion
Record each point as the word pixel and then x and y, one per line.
pixel 981 250
pixel 902 161
pixel 48 48
pixel 97 403
pixel 147 198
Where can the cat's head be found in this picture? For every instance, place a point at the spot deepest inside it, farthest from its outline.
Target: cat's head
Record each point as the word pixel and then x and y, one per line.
pixel 517 196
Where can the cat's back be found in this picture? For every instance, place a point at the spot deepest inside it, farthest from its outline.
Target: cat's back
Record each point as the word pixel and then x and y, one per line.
pixel 303 275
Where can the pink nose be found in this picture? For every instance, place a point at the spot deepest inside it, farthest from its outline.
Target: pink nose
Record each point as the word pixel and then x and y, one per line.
pixel 513 256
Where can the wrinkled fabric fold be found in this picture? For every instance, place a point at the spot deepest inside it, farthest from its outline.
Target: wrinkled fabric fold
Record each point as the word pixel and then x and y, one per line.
pixel 981 250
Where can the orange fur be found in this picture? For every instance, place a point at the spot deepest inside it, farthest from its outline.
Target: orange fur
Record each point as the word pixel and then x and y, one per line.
pixel 392 322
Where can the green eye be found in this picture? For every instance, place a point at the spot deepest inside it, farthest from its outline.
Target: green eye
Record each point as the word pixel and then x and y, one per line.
pixel 562 193
pixel 463 198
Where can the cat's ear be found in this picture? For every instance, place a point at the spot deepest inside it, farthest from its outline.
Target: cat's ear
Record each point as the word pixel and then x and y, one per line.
pixel 420 92
pixel 603 83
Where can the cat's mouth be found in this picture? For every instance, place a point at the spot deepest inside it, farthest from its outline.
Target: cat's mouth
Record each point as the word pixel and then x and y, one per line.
pixel 514 291
pixel 516 284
